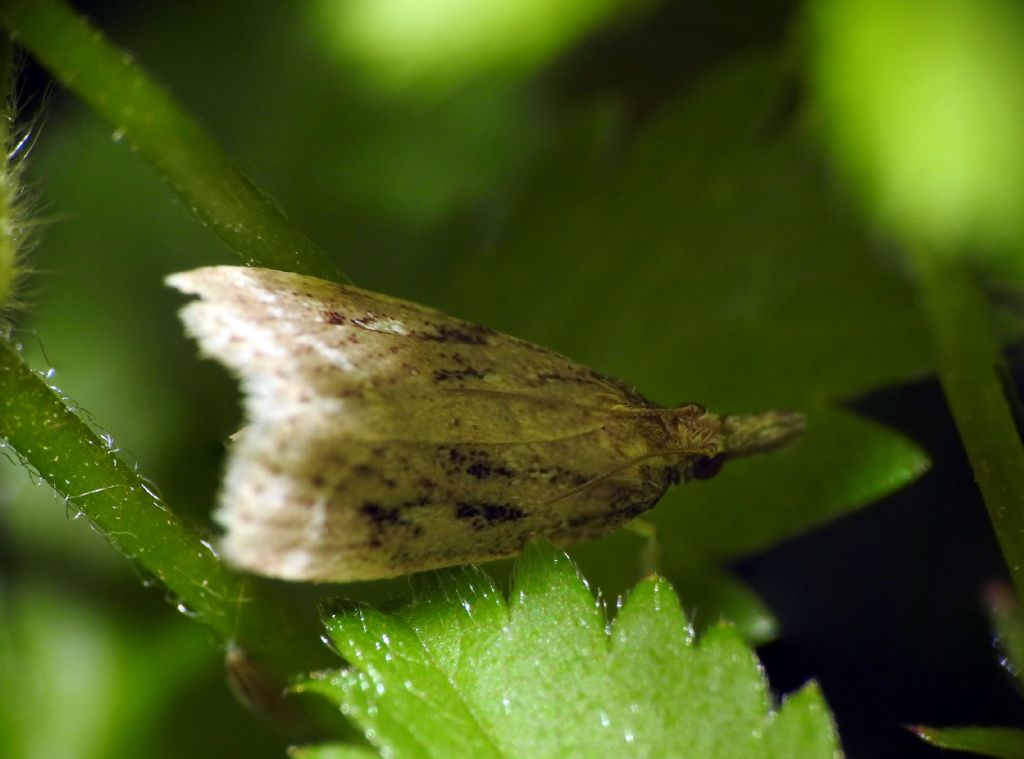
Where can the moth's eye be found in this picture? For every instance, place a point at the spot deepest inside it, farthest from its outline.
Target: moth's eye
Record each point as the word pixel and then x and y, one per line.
pixel 707 467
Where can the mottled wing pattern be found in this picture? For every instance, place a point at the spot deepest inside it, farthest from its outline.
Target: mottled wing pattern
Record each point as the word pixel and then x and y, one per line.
pixel 385 437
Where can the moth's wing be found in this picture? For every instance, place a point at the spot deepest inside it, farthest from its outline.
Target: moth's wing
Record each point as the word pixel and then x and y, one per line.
pixel 272 326
pixel 386 437
pixel 316 505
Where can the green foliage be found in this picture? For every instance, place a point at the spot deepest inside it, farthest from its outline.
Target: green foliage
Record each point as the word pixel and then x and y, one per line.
pixel 698 252
pixel 331 751
pixel 73 684
pixel 12 212
pixel 742 275
pixel 999 742
pixel 919 99
pixel 443 44
pixel 737 315
pixel 461 672
pixel 916 102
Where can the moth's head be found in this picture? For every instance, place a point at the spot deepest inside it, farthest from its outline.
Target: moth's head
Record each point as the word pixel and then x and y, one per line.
pixel 698 436
pixel 710 440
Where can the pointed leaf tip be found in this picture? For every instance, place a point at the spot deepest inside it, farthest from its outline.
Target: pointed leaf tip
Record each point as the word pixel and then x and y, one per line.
pixel 546 677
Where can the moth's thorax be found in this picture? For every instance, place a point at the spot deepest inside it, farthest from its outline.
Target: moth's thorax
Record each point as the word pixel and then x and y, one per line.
pixel 658 447
pixel 692 431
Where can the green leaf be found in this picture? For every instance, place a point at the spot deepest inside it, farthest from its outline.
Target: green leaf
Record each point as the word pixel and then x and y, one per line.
pixel 442 45
pixel 700 257
pixel 918 98
pixel 331 751
pixel 841 463
pixel 715 596
pixel 148 119
pixel 618 561
pixel 461 672
pixel 707 259
pixel 1000 742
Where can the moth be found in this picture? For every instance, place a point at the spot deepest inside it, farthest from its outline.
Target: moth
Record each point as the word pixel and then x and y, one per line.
pixel 384 437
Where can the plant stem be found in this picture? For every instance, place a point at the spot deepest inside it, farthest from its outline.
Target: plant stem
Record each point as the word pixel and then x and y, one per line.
pixel 147 118
pixel 968 359
pixel 51 439
pixel 9 227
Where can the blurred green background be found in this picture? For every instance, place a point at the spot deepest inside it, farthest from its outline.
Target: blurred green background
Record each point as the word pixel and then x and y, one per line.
pixel 705 199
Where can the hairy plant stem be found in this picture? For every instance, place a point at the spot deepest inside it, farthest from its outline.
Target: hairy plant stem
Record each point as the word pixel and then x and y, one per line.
pixel 968 361
pixel 50 438
pixel 10 228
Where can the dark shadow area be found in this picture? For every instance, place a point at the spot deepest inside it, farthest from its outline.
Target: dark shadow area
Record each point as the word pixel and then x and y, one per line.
pixel 884 607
